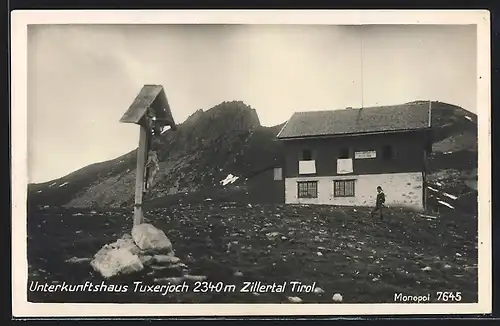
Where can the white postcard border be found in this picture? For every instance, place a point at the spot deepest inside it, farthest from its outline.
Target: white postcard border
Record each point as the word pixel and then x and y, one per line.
pixel 21 19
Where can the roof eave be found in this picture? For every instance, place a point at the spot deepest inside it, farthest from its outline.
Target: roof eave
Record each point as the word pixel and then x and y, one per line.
pixel 353 134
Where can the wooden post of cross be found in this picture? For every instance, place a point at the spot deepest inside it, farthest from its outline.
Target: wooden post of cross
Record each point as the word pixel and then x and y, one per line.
pixel 151 111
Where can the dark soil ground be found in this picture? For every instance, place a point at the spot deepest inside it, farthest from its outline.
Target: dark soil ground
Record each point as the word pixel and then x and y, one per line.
pixel 342 249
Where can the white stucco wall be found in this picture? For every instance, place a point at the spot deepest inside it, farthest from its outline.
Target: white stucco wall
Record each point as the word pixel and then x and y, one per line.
pixel 401 190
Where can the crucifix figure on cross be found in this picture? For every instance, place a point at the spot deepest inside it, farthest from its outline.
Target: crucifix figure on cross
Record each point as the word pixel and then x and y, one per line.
pixel 154 130
pixel 150 110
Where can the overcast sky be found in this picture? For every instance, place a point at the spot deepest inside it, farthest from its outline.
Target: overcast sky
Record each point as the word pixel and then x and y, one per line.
pixel 81 79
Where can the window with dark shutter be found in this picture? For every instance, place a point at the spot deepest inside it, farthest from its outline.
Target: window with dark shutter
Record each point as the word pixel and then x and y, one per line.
pixel 307 189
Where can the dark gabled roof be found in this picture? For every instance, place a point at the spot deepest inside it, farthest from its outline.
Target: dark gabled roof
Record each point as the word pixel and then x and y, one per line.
pixel 403 117
pixel 150 96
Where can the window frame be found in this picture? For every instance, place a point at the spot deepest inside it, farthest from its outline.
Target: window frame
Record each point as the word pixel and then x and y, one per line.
pixel 280 174
pixel 341 192
pixel 308 183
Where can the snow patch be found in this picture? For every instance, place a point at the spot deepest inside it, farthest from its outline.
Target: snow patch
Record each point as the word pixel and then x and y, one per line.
pixel 439 184
pixel 446 153
pixel 229 179
pixel 53 184
pixel 62 185
pixel 165 129
pixel 445 204
pixel 468 118
pixel 430 188
pixel 450 196
pixel 39 191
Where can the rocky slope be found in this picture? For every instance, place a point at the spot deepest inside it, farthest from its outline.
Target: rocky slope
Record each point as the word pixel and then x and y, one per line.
pixel 224 153
pixel 342 249
pixel 454 161
pixel 206 148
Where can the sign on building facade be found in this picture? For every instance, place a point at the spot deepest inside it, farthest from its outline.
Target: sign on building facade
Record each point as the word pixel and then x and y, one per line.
pixel 365 154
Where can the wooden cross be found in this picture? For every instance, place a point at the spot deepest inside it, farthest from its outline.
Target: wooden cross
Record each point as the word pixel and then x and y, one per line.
pixel 151 111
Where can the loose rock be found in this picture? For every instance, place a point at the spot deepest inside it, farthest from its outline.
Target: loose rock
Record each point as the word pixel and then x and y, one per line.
pixel 294 299
pixel 319 290
pixel 272 235
pixel 149 238
pixel 337 297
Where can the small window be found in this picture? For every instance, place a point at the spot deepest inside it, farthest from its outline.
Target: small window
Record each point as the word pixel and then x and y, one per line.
pixel 344 153
pixel 307 189
pixel 343 188
pixel 278 174
pixel 387 152
pixel 307 155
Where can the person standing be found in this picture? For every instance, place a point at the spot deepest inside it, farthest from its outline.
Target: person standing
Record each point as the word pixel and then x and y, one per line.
pixel 379 204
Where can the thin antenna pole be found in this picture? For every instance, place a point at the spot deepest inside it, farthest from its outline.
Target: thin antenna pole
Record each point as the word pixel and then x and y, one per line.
pixel 430 114
pixel 361 54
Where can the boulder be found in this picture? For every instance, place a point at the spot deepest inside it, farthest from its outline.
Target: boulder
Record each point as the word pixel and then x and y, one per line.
pixel 111 262
pixel 150 239
pixel 119 257
pixel 127 244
